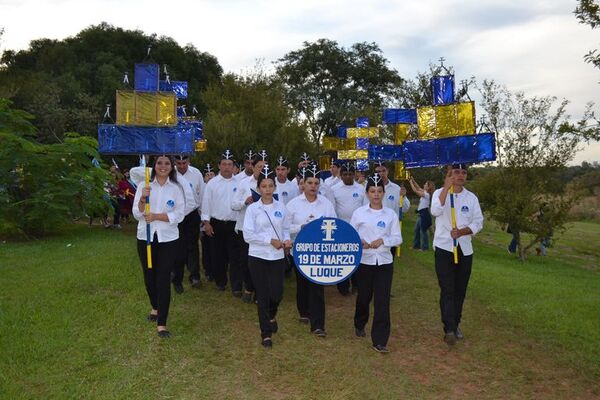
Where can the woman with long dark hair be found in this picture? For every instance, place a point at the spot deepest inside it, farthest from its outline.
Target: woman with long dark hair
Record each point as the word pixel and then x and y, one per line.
pixel 166 211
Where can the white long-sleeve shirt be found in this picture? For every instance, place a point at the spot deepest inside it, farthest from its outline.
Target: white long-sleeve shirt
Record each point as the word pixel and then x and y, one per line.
pixel 258 230
pixel 468 214
pixel 286 190
pixel 391 199
pixel 303 211
pixel 216 202
pixel 196 183
pixel 138 175
pixel 377 224
pixel 168 199
pixel 238 203
pixel 346 199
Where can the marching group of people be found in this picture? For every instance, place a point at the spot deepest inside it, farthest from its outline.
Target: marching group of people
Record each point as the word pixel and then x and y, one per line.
pixel 250 219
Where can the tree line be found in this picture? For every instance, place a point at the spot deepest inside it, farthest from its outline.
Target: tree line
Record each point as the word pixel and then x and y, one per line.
pixel 54 94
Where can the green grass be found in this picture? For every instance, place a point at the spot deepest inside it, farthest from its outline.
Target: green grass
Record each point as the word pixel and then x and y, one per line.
pixel 73 326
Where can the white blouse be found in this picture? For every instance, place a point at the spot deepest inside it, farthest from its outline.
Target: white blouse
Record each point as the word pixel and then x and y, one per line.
pixel 167 198
pixel 262 223
pixel 377 224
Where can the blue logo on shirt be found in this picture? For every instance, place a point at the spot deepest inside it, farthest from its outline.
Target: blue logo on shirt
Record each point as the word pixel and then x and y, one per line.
pixel 170 203
pixel 391 197
pixel 191 186
pixel 354 194
pixel 381 224
pixel 284 193
pixel 278 214
pixel 464 209
pixel 235 189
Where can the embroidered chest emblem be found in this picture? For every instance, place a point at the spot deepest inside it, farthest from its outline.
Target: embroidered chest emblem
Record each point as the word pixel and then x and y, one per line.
pixel 381 224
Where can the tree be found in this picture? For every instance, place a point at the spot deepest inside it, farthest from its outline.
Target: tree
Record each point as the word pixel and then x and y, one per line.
pixel 250 112
pixel 588 12
pixel 535 141
pixel 43 186
pixel 326 84
pixel 66 83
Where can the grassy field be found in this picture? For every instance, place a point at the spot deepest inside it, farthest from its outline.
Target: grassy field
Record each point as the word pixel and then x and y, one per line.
pixel 72 318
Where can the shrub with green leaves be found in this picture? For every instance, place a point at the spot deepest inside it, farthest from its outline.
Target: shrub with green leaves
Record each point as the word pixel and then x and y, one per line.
pixel 43 186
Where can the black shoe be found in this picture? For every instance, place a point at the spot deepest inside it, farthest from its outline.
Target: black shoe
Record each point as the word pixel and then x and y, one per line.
pixel 237 293
pixel 459 334
pixel 220 288
pixel 247 297
pixel 304 320
pixel 164 334
pixel 450 338
pixel 178 288
pixel 274 326
pixel 360 332
pixel 196 284
pixel 152 317
pixel 320 333
pixel 267 343
pixel 380 349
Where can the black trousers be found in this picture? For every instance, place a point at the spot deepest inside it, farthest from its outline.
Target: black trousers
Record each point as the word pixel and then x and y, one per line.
pixel 188 252
pixel 225 250
pixel 246 275
pixel 374 281
pixel 158 279
pixel 268 276
pixel 344 287
pixel 207 257
pixel 453 280
pixel 310 301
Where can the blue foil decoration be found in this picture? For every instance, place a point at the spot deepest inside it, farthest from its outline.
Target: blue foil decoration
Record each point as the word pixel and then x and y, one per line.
pixel 362 143
pixel 122 139
pixel 443 89
pixel 362 165
pixel 399 116
pixel 180 88
pixel 387 152
pixel 146 77
pixel 362 122
pixel 342 131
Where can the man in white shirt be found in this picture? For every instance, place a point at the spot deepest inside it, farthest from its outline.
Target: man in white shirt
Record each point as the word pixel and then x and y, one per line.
pixel 346 196
pixel 285 189
pixel 219 220
pixel 248 171
pixel 453 278
pixel 242 199
pixel 189 228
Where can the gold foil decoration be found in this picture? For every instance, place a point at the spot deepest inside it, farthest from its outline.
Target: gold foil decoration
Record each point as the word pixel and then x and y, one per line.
pixel 401 133
pixel 426 122
pixel 325 162
pixel 355 133
pixel 166 103
pixel 353 154
pixel 400 173
pixel 445 121
pixel 200 145
pixel 125 107
pixel 466 118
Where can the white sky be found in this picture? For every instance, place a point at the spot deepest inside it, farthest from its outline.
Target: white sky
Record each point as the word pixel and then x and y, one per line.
pixel 536 46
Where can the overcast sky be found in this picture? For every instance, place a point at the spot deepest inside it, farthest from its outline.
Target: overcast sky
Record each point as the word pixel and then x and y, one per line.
pixel 536 46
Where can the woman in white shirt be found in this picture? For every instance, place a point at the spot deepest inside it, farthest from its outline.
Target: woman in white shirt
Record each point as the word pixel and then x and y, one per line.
pixel 308 206
pixel 423 223
pixel 267 232
pixel 167 206
pixel 379 231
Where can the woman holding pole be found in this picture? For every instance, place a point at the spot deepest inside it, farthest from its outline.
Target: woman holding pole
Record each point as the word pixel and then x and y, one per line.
pixel 158 222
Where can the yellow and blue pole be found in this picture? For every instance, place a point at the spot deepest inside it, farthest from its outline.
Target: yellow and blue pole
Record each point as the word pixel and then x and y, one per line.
pixel 148 238
pixel 453 216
